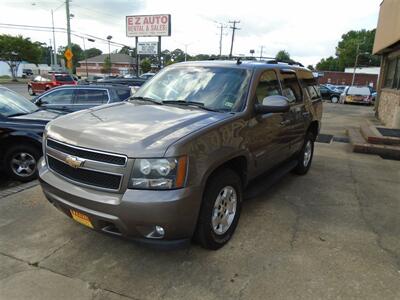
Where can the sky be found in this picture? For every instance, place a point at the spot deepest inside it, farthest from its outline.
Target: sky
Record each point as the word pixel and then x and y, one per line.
pixel 308 29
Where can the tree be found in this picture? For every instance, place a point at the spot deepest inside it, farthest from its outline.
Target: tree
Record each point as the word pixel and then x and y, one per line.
pixel 15 49
pixel 127 50
pixel 106 69
pixel 282 55
pixel 346 51
pixel 145 65
pixel 92 52
pixel 178 55
pixel 329 64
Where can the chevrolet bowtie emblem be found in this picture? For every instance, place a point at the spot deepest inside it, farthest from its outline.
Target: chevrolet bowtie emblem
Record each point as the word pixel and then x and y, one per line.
pixel 74 162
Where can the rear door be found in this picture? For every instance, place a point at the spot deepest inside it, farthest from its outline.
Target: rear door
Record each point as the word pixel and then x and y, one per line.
pixel 297 114
pixel 90 97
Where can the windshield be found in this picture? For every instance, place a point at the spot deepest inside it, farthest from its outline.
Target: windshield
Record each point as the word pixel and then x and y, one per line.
pixel 12 104
pixel 354 90
pixel 216 88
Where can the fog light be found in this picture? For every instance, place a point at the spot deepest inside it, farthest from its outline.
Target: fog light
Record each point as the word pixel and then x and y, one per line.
pixel 153 232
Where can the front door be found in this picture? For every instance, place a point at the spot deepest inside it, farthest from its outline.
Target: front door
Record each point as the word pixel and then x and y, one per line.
pixel 59 99
pixel 89 97
pixel 268 133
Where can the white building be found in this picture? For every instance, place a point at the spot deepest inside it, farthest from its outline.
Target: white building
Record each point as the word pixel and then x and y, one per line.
pixel 36 69
pixel 364 70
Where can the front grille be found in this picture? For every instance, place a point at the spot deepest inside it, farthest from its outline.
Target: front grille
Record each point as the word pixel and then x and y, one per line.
pixel 88 154
pixel 89 177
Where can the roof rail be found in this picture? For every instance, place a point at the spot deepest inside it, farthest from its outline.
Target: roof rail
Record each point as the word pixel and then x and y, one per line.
pixel 265 59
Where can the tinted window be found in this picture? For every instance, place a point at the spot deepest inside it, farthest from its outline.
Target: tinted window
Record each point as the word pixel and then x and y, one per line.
pixel 91 96
pixel 267 86
pixel 291 88
pixel 396 81
pixel 309 84
pixel 63 78
pixel 58 97
pixel 355 90
pixel 123 94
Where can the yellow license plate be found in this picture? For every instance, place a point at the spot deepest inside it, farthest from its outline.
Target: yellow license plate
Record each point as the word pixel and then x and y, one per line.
pixel 81 218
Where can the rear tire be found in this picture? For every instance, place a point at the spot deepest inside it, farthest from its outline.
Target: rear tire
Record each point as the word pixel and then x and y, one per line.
pixel 220 210
pixel 30 91
pixel 334 99
pixel 21 162
pixel 306 154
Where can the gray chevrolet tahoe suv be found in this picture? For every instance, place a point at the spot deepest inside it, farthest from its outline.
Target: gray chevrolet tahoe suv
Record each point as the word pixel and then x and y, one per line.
pixel 172 163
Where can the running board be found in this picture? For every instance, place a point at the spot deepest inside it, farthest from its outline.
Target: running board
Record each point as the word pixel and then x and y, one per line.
pixel 261 184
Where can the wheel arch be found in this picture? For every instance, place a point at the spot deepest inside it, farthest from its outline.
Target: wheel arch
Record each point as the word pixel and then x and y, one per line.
pixel 314 128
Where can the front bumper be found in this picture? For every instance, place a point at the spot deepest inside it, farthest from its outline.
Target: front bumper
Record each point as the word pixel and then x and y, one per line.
pixel 132 214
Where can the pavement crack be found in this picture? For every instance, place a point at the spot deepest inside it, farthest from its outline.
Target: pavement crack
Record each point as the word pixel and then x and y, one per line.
pixel 370 226
pixel 52 252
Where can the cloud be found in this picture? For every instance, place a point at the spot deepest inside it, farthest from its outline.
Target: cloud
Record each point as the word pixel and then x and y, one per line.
pixel 308 29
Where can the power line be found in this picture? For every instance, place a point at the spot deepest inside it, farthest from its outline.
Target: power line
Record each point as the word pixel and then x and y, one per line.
pixel 234 28
pixel 57 29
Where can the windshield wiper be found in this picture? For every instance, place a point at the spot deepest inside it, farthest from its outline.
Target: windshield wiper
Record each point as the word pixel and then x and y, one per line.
pixel 145 99
pixel 188 103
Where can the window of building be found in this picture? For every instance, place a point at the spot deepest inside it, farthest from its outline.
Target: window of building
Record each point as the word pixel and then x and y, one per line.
pixel 392 74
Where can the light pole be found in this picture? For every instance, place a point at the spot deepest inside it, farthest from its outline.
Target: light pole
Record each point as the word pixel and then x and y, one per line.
pixel 356 62
pixel 84 51
pixel 109 37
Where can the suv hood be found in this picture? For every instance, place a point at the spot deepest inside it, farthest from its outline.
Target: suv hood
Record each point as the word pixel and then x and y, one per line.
pixel 40 116
pixel 131 128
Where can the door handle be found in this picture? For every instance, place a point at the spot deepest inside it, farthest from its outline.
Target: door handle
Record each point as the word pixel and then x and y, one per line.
pixel 286 122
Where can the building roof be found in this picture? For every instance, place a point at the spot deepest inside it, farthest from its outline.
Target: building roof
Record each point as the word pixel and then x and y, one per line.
pixel 388 30
pixel 115 59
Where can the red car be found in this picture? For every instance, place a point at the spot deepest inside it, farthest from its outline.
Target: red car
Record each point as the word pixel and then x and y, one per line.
pixel 42 83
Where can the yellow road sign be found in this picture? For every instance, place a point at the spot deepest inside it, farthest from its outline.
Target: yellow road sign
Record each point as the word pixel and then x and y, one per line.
pixel 68 54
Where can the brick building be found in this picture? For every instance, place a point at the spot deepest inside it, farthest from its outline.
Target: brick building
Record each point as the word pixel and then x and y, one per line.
pixel 387 44
pixel 121 64
pixel 343 78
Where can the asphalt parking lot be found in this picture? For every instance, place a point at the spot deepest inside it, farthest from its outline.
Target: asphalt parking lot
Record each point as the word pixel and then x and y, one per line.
pixel 332 234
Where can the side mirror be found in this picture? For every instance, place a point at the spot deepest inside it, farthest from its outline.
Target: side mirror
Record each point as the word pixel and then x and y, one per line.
pixel 273 104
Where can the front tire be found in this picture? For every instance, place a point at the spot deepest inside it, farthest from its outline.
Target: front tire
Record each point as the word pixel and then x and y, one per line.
pixel 306 154
pixel 334 99
pixel 220 211
pixel 21 162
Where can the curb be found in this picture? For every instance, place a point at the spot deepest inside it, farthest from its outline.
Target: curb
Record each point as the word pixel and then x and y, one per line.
pixel 17 189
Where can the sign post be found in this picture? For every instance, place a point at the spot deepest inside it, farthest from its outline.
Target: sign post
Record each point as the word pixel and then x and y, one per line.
pixel 148 26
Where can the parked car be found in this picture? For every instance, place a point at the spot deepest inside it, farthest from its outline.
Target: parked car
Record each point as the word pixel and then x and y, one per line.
pixel 147 75
pixel 328 92
pixel 21 127
pixel 42 83
pixel 26 73
pixel 340 88
pixel 357 94
pixel 173 162
pixel 69 98
pixel 131 82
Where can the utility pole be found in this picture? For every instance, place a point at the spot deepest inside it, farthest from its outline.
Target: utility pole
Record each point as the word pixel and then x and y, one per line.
pixel 68 27
pixel 54 42
pixel 221 27
pixel 233 34
pixel 356 62
pixel 261 52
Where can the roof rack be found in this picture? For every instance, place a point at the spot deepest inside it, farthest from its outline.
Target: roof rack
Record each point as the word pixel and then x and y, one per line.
pixel 264 59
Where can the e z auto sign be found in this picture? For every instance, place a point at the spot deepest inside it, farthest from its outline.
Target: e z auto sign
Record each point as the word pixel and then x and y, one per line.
pixel 152 25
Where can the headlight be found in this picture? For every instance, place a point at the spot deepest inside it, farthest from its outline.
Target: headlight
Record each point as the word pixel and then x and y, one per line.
pixel 158 173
